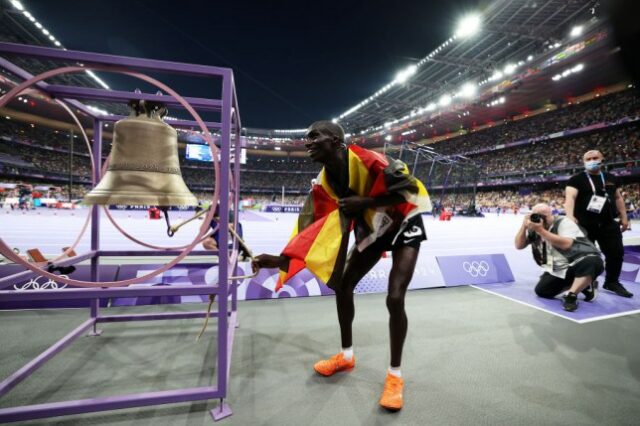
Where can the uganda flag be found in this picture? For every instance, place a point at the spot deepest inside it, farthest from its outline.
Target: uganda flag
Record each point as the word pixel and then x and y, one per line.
pixel 321 235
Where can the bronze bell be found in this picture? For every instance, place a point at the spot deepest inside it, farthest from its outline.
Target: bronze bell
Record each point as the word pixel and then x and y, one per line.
pixel 144 168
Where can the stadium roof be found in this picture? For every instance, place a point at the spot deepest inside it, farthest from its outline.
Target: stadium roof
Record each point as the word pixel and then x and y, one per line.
pixel 18 25
pixel 450 86
pixel 508 34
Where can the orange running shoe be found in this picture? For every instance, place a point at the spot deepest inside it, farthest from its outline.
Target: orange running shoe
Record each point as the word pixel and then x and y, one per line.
pixel 328 367
pixel 391 398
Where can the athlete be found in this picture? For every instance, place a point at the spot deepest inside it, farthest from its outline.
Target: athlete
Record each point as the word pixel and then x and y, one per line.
pixel 364 191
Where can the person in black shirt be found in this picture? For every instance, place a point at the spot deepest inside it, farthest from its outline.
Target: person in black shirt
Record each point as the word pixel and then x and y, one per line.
pixel 593 200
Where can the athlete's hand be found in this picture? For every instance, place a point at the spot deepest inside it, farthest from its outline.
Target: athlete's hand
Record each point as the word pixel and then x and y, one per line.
pixel 353 205
pixel 625 225
pixel 269 261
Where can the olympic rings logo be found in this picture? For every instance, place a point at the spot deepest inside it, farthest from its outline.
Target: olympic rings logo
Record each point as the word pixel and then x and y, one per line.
pixel 33 284
pixel 476 269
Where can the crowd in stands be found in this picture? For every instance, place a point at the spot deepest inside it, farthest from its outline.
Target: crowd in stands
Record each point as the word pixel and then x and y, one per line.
pixel 601 109
pixel 44 160
pixel 27 150
pixel 292 164
pixel 507 200
pixel 618 145
pixel 37 135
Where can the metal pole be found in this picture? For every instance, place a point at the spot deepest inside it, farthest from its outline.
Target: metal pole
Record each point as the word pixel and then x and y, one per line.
pixel 415 163
pixel 70 164
pixel 223 256
pixel 282 202
pixel 95 220
pixel 457 188
pixel 444 185
pixel 236 193
pixel 475 186
pixel 433 162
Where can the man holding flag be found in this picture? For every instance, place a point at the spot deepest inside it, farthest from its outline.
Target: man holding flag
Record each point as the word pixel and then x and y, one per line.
pixel 381 202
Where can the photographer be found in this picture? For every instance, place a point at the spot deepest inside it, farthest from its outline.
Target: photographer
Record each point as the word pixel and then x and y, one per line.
pixel 561 248
pixel 593 200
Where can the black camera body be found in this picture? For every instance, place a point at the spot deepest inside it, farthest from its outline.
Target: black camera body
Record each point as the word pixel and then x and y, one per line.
pixel 535 218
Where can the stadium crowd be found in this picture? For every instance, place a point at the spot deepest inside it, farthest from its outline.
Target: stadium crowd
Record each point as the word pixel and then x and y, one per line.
pixel 41 153
pixel 607 108
pixel 618 145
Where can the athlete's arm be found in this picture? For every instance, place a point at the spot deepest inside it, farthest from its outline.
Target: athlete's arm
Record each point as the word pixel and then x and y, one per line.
pixel 270 261
pixel 355 204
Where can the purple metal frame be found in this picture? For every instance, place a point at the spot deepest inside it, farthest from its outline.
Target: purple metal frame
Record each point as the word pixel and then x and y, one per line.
pixel 225 314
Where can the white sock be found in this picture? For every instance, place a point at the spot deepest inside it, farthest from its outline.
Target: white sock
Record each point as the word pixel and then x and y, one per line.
pixel 395 371
pixel 347 353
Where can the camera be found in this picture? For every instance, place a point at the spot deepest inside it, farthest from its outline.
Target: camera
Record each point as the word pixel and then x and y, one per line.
pixel 535 218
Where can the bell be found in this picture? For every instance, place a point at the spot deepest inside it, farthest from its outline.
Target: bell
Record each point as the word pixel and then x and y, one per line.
pixel 144 168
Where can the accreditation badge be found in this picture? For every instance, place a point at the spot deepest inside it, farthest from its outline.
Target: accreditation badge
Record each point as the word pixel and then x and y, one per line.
pixel 596 204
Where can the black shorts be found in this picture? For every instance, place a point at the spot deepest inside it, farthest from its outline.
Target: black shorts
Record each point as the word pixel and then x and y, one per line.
pixel 549 286
pixel 412 236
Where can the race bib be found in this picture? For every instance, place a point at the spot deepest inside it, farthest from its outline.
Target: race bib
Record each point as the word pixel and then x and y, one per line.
pixel 382 222
pixel 596 204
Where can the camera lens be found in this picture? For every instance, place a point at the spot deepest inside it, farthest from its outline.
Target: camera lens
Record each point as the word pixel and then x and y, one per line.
pixel 536 218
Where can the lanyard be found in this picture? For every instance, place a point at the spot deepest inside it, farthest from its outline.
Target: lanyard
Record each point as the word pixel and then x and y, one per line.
pixel 593 187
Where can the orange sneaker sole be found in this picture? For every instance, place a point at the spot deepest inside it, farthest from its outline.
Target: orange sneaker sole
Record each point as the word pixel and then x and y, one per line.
pixel 331 374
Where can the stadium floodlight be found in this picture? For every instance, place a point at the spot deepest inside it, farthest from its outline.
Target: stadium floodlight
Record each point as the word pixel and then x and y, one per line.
pixel 556 77
pixel 431 106
pixel 509 69
pixel 404 75
pixel 496 75
pixel 334 120
pixel 529 58
pixel 387 138
pixel 468 90
pixel 98 79
pixel 97 110
pixel 445 100
pixel 576 31
pixel 57 43
pixel 468 25
pixel 45 31
pixel 578 68
pixel 17 5
pixel 38 25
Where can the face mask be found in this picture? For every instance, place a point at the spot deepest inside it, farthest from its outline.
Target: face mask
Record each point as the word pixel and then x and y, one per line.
pixel 592 166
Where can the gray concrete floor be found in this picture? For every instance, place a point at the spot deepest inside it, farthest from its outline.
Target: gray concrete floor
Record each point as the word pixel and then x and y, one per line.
pixel 470 358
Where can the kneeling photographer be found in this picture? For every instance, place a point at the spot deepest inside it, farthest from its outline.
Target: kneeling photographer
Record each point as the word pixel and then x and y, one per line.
pixel 569 260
